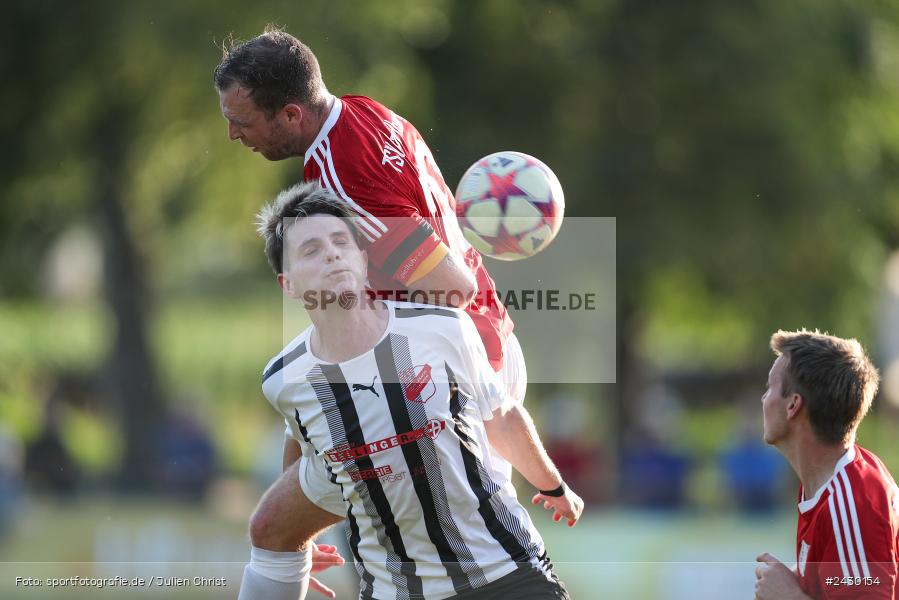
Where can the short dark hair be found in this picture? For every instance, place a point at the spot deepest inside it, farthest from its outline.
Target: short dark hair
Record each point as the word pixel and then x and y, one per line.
pixel 276 67
pixel 298 202
pixel 834 376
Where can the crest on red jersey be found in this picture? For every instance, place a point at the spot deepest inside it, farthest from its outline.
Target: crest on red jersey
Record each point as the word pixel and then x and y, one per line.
pixel 417 383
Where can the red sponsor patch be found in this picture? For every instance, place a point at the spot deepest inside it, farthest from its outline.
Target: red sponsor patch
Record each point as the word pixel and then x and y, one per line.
pixel 434 427
pixel 417 383
pixel 375 473
pixel 346 452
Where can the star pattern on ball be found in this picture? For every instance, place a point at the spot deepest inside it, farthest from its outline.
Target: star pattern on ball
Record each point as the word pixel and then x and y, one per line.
pixel 506 243
pixel 509 205
pixel 503 186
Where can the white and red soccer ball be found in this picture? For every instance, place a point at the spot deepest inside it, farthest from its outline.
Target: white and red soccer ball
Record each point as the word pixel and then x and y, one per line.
pixel 510 205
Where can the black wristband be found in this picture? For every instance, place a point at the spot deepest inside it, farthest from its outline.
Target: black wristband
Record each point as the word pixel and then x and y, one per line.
pixel 556 493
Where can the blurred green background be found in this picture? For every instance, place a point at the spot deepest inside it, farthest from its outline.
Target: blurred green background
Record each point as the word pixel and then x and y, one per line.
pixel 749 152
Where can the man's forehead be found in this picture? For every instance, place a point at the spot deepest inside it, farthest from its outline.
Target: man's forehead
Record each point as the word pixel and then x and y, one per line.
pixel 777 365
pixel 236 99
pixel 315 227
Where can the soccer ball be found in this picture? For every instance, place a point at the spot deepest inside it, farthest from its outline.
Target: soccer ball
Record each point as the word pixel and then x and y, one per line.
pixel 509 205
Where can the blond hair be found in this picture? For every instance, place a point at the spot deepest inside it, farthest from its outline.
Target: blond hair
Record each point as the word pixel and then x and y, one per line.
pixel 834 376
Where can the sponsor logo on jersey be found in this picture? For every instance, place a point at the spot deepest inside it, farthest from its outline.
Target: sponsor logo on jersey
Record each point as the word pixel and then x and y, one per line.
pixel 434 427
pixel 417 383
pixel 386 474
pixel 394 155
pixel 357 387
pixel 393 477
pixel 375 473
pixel 346 452
pixel 803 557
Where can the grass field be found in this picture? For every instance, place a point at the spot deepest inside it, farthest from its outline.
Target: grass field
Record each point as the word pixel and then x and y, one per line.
pixel 626 555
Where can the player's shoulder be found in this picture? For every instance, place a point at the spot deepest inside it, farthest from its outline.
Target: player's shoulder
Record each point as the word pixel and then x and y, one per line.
pixel 296 349
pixel 417 310
pixel 867 468
pixel 360 155
pixel 350 131
pixel 859 477
pixel 451 326
pixel 862 501
pixel 354 102
pixel 861 512
pixel 361 120
pixel 417 314
pixel 870 482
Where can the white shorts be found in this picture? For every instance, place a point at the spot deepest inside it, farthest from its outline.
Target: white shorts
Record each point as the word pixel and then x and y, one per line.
pixel 326 495
pixel 318 488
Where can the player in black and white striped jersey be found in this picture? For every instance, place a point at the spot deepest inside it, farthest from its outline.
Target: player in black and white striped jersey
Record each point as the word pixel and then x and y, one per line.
pixel 397 402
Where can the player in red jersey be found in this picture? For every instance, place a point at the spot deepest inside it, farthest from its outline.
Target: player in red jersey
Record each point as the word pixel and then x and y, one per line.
pixel 273 96
pixel 847 541
pixel 378 163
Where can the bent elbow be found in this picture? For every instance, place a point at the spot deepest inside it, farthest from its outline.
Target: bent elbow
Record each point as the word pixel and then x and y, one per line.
pixel 464 291
pixel 468 294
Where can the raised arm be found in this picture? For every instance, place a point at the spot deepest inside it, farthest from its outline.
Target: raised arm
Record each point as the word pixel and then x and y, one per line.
pixel 449 283
pixel 508 425
pixel 512 434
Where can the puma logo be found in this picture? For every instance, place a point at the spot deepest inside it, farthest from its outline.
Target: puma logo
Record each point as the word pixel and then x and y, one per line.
pixel 371 388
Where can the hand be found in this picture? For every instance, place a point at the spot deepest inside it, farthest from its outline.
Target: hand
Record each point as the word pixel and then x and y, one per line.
pixel 569 505
pixel 775 581
pixel 323 557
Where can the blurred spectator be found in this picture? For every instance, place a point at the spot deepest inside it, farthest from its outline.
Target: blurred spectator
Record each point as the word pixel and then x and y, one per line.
pixel 10 478
pixel 652 474
pixel 49 466
pixel 48 463
pixel 753 472
pixel 187 456
pixel 568 428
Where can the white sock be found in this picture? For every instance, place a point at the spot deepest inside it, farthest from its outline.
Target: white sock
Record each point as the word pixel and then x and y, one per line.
pixel 276 575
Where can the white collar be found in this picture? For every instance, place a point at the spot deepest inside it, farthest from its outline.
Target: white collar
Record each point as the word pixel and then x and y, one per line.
pixel 848 457
pixel 326 128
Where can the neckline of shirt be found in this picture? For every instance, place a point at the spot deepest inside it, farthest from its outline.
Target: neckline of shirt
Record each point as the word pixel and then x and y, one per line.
pixel 807 505
pixel 326 128
pixel 390 318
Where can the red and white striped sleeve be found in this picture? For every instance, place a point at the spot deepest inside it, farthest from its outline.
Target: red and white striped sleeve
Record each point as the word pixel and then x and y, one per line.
pixel 858 539
pixel 401 242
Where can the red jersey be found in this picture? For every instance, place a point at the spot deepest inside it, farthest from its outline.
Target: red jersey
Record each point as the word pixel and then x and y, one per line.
pixel 847 541
pixel 378 163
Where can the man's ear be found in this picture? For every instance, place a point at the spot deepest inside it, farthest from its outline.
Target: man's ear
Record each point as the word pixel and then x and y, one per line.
pixel 794 405
pixel 285 284
pixel 294 113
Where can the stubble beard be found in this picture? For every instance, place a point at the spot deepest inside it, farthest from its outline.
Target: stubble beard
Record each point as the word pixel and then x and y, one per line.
pixel 283 145
pixel 282 151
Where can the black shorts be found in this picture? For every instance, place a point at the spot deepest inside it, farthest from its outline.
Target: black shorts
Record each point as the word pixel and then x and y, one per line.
pixel 524 583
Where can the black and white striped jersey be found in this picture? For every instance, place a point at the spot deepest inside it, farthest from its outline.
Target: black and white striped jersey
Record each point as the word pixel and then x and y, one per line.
pixel 400 429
